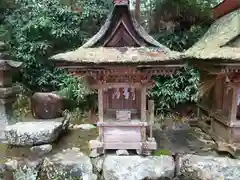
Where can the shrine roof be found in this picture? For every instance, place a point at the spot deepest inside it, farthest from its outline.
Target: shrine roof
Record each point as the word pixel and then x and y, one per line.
pixel 225 54
pixel 117 55
pixel 120 40
pixel 217 41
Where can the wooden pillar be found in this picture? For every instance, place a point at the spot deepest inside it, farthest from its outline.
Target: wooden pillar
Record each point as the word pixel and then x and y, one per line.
pixel 218 93
pixel 233 104
pixel 143 104
pixel 151 116
pixel 137 10
pixel 143 112
pixel 100 111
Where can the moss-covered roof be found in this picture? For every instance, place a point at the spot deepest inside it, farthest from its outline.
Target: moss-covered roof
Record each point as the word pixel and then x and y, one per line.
pixel 214 44
pixel 120 29
pixel 225 54
pixel 117 55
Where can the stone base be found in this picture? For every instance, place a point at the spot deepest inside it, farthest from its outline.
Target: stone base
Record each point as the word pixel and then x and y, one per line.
pixel 101 147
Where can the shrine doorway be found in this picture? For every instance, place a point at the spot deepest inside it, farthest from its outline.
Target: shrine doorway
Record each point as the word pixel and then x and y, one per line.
pixel 122 98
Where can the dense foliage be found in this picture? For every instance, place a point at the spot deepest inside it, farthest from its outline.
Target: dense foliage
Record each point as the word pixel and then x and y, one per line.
pixel 189 20
pixel 179 89
pixel 181 40
pixel 41 28
pixel 182 87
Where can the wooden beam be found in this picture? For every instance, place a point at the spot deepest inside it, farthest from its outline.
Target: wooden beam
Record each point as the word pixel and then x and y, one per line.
pixel 121 85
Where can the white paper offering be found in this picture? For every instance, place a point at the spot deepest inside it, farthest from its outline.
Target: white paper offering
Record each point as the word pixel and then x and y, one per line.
pixel 126 92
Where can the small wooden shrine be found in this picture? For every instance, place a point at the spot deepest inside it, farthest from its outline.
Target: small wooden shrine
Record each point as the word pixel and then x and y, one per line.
pixel 217 55
pixel 119 61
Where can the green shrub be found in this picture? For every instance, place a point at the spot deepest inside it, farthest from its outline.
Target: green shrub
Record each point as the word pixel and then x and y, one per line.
pixel 41 28
pixel 178 89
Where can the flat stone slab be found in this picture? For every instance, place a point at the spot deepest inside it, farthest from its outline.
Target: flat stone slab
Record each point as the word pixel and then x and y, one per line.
pixel 33 133
pixel 195 167
pixel 68 164
pixel 190 140
pixel 137 167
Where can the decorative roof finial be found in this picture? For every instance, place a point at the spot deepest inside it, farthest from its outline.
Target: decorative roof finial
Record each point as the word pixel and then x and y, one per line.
pixel 120 2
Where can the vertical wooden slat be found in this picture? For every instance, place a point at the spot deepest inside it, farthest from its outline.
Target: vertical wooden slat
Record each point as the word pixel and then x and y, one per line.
pixel 218 93
pixel 143 112
pixel 143 103
pixel 100 111
pixel 226 101
pixel 233 104
pixel 151 116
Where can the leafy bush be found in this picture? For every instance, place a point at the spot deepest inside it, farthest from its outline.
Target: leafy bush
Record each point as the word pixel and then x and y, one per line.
pixel 178 89
pixel 181 40
pixel 41 28
pixel 75 90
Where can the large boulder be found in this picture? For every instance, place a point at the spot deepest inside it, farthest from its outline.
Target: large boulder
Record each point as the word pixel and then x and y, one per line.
pixel 195 167
pixel 18 168
pixel 34 132
pixel 46 105
pixel 138 167
pixel 69 164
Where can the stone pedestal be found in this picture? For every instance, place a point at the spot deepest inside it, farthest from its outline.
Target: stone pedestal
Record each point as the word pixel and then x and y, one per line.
pixel 7 93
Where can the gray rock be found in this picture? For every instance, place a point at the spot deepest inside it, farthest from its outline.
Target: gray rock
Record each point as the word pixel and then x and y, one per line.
pixel 15 164
pixel 137 167
pixel 98 163
pixel 68 163
pixel 122 152
pixel 33 133
pixel 11 164
pixel 25 173
pixel 3 168
pixel 42 149
pixel 195 167
pixel 75 149
pixel 84 126
pixel 71 126
pixel 94 153
pixel 32 163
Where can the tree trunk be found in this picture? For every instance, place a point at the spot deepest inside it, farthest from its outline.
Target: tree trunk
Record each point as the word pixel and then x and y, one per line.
pixel 137 11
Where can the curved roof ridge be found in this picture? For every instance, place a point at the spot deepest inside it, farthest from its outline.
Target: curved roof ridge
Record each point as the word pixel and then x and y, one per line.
pixel 137 27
